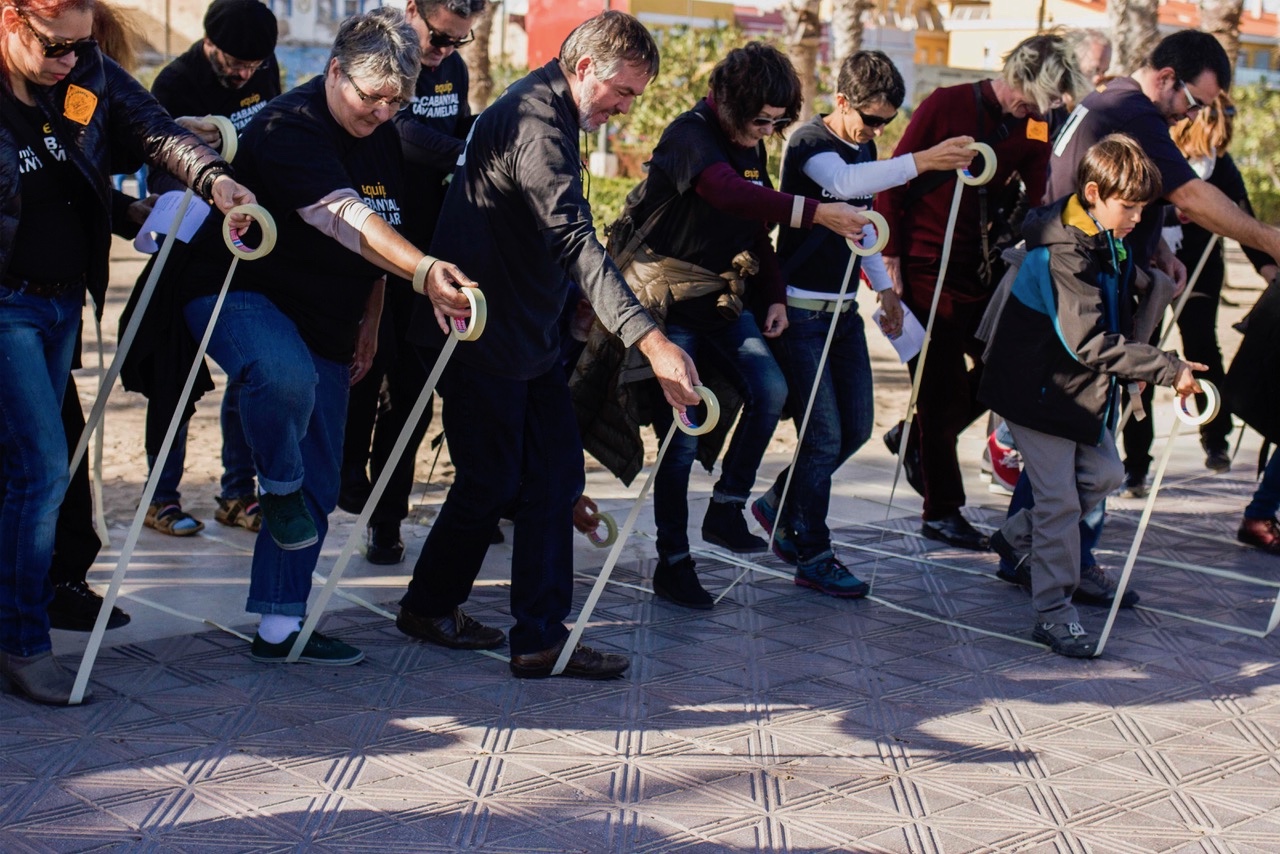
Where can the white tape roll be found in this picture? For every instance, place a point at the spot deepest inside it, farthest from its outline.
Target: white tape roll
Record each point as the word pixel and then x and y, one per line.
pixel 1212 406
pixel 610 527
pixel 713 414
pixel 469 329
pixel 882 236
pixel 230 141
pixel 265 222
pixel 988 166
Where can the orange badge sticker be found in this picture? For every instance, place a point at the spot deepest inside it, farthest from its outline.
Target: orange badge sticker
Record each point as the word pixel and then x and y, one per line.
pixel 79 105
pixel 1037 130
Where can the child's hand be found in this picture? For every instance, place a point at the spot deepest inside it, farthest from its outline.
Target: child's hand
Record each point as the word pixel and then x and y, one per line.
pixel 1185 383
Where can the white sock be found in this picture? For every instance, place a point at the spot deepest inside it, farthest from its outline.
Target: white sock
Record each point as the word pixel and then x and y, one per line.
pixel 275 628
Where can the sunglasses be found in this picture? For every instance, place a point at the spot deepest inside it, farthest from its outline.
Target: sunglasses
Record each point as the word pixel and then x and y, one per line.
pixel 766 121
pixel 874 121
pixel 374 101
pixel 1192 103
pixel 439 39
pixel 53 49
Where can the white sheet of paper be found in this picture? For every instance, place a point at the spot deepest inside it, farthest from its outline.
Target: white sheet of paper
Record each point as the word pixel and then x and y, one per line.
pixel 161 218
pixel 910 340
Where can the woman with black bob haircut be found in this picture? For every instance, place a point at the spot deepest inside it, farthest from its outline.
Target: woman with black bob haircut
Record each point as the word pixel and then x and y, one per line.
pixel 708 269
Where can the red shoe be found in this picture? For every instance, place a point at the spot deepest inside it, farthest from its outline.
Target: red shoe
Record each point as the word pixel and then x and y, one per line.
pixel 1006 462
pixel 1260 533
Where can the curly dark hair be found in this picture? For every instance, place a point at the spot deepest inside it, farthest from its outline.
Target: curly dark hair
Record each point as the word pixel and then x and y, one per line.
pixel 750 78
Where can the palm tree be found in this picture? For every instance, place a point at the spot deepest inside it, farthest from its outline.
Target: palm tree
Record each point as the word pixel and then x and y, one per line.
pixel 1134 33
pixel 846 26
pixel 804 35
pixel 1222 19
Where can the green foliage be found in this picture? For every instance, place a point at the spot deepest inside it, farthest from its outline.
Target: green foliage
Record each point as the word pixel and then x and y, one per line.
pixel 1256 147
pixel 606 196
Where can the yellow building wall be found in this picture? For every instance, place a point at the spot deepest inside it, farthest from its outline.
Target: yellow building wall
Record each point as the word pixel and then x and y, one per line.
pixel 706 9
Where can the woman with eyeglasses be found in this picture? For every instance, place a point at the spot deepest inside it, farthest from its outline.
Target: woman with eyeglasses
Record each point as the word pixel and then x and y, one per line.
pixel 300 325
pixel 69 117
pixel 708 266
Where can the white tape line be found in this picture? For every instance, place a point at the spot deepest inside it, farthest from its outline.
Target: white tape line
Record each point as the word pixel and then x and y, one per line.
pixel 230 141
pixel 610 527
pixel 265 222
pixel 153 479
pixel 1212 406
pixel 988 166
pixel 882 237
pixel 686 424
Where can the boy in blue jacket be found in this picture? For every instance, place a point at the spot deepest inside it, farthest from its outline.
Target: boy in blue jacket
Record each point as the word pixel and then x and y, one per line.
pixel 1055 366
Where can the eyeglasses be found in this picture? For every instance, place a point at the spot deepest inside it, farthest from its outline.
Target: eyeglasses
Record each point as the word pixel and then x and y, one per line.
pixel 375 101
pixel 442 39
pixel 230 63
pixel 874 121
pixel 767 121
pixel 53 49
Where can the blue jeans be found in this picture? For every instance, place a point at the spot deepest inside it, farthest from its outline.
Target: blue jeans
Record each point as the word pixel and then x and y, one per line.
pixel 839 424
pixel 293 405
pixel 37 341
pixel 1266 499
pixel 237 459
pixel 516 449
pixel 1090 523
pixel 738 351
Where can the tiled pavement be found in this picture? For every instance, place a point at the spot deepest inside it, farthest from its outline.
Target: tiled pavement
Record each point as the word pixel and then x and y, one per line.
pixel 780 721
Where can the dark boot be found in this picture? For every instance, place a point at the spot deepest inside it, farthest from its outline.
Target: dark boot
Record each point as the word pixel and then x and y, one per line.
pixel 678 582
pixel 725 525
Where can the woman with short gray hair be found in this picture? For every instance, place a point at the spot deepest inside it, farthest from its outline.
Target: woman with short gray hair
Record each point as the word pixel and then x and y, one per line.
pixel 301 324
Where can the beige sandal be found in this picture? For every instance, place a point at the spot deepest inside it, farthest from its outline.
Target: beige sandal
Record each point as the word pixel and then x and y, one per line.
pixel 171 519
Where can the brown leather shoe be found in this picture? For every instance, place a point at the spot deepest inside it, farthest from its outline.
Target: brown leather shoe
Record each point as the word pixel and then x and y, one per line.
pixel 1260 533
pixel 40 677
pixel 456 630
pixel 585 663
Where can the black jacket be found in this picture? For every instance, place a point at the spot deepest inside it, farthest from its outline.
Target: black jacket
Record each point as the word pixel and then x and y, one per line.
pixel 125 128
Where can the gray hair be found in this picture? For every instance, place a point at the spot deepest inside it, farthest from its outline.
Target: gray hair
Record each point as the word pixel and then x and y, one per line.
pixel 611 39
pixel 1043 68
pixel 380 48
pixel 461 8
pixel 1082 42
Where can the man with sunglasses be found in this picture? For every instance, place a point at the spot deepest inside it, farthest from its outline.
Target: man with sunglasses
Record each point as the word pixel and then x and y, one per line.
pixel 431 127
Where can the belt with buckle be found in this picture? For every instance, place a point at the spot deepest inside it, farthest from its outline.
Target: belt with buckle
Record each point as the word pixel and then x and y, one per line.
pixel 820 304
pixel 47 290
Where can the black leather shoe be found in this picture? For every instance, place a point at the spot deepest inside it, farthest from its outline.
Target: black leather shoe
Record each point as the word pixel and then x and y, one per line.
pixel 1013 566
pixel 456 630
pixel 385 546
pixel 1217 459
pixel 678 582
pixel 585 663
pixel 955 530
pixel 75 608
pixel 911 466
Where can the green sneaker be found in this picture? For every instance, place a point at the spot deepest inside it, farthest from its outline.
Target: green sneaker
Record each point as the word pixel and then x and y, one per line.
pixel 288 520
pixel 319 650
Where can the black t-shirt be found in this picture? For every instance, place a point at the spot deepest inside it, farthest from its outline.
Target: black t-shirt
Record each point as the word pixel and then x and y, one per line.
pixel 293 154
pixel 188 87
pixel 690 229
pixel 820 268
pixel 1120 107
pixel 52 240
pixel 432 128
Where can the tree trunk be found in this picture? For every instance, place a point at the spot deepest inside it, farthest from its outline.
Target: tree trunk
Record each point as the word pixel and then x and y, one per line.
pixel 476 55
pixel 804 35
pixel 1133 24
pixel 846 27
pixel 1221 19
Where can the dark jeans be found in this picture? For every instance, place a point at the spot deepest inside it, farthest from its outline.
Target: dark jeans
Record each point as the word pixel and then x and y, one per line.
pixel 76 544
pixel 839 423
pixel 515 447
pixel 738 351
pixel 374 424
pixel 1139 435
pixel 1198 325
pixel 1266 499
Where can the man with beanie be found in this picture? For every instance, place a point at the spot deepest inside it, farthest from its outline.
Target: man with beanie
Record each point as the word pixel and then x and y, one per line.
pixel 231 72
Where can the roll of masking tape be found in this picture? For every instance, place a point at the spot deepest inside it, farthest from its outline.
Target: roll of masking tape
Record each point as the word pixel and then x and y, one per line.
pixel 230 140
pixel 610 527
pixel 988 166
pixel 232 238
pixel 1212 406
pixel 882 236
pixel 713 414
pixel 469 329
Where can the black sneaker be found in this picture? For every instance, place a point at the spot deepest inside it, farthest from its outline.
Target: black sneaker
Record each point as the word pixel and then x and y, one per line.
pixel 1013 566
pixel 725 525
pixel 1135 485
pixel 384 545
pixel 1096 588
pixel 288 521
pixel 75 608
pixel 1216 459
pixel 1069 639
pixel 678 583
pixel 319 650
